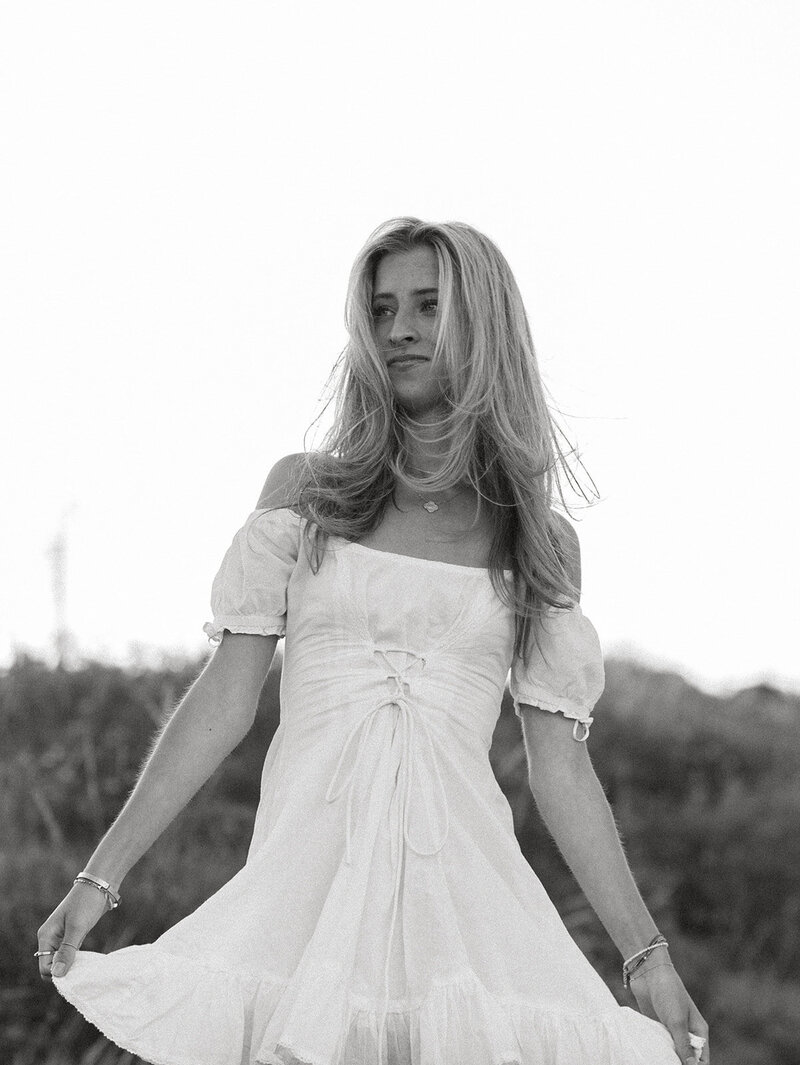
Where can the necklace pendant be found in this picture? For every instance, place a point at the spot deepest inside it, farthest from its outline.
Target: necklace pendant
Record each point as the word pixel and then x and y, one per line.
pixel 430 506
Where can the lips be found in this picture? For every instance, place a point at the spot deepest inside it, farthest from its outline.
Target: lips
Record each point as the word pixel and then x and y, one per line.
pixel 400 360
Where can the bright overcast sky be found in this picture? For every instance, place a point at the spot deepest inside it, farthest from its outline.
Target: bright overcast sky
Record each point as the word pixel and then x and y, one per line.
pixel 185 186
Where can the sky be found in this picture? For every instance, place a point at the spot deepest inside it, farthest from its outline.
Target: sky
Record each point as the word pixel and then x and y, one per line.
pixel 184 187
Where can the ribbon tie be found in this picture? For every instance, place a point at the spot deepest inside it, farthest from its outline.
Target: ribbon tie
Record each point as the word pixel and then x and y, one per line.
pixel 402 828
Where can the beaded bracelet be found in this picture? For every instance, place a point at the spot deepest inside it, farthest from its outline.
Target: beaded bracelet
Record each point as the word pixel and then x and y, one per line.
pixel 640 958
pixel 111 897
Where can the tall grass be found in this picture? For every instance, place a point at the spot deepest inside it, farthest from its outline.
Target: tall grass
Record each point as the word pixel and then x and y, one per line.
pixel 704 789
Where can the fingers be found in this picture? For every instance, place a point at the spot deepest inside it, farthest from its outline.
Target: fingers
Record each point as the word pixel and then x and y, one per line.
pixel 49 936
pixel 66 928
pixel 59 941
pixel 63 959
pixel 678 1026
pixel 45 961
pixel 662 988
pixel 690 1036
pixel 698 1030
pixel 700 1048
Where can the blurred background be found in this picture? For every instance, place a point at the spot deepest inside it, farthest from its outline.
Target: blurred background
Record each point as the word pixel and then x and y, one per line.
pixel 184 189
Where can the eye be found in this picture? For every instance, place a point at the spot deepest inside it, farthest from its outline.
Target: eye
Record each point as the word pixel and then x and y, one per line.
pixel 429 306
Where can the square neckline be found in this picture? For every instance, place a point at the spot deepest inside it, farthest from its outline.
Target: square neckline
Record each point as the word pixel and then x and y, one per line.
pixel 418 558
pixel 396 554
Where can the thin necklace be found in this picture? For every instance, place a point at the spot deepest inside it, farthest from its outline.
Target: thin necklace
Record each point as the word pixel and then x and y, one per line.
pixel 429 504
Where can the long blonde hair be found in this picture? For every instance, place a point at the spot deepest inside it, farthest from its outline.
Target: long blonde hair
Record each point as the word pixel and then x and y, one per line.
pixel 497 431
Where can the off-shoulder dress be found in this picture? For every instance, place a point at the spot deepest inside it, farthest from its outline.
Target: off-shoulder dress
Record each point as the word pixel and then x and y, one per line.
pixel 385 914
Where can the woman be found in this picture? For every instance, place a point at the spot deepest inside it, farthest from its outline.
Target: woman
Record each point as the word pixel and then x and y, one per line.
pixel 385 915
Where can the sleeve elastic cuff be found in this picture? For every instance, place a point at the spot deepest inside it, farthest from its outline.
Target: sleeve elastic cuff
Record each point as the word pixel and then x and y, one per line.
pixel 554 705
pixel 250 626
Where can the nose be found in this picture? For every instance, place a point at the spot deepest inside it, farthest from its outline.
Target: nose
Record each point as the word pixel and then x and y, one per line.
pixel 403 330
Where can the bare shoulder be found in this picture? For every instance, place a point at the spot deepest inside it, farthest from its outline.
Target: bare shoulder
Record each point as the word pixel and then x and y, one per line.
pixel 571 546
pixel 278 490
pixel 566 530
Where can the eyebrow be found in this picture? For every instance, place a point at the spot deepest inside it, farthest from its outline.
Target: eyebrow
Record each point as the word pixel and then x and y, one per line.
pixel 416 292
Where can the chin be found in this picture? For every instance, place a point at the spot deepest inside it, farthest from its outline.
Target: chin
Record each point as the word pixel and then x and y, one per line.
pixel 418 405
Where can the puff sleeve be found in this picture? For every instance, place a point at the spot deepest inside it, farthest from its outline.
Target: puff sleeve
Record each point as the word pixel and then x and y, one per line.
pixel 248 593
pixel 567 676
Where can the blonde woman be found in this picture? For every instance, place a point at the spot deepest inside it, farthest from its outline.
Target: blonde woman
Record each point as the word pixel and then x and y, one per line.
pixel 386 915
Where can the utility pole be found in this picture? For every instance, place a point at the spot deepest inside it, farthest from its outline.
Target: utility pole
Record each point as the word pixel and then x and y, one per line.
pixel 63 642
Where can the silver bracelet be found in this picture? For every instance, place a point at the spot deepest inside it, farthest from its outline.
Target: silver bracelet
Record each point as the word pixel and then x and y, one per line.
pixel 112 898
pixel 632 964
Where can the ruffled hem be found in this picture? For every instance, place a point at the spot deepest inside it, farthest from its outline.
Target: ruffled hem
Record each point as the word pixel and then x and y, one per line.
pixel 251 626
pixel 581 715
pixel 171 1010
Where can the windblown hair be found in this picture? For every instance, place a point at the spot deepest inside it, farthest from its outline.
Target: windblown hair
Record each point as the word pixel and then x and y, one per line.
pixel 496 429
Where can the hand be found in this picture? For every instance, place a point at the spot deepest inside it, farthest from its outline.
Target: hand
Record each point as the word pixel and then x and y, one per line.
pixel 67 927
pixel 661 996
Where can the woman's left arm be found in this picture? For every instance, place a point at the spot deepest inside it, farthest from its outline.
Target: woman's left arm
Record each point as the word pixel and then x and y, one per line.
pixel 577 814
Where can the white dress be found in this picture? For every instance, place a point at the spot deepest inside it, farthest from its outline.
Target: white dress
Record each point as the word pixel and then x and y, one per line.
pixel 385 915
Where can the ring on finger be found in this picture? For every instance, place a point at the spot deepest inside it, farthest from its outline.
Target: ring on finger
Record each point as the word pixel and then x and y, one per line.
pixel 43 953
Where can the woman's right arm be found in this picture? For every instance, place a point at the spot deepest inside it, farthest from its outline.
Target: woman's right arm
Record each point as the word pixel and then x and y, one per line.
pixel 209 722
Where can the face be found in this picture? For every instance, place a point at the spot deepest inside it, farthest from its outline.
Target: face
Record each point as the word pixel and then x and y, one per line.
pixel 404 318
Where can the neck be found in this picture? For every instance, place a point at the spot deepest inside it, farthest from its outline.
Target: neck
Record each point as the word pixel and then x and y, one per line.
pixel 425 461
pixel 424 453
